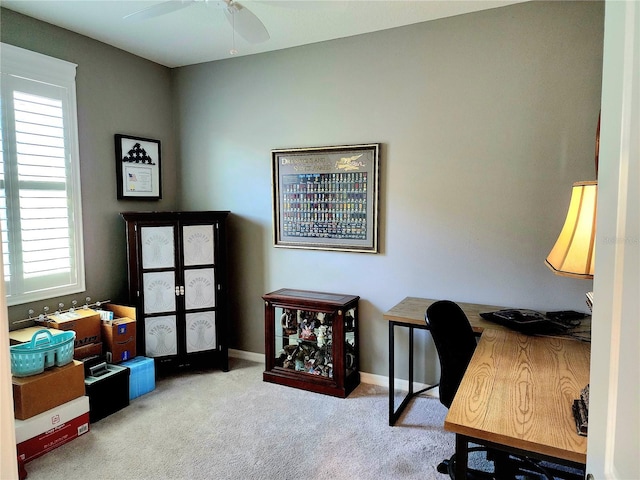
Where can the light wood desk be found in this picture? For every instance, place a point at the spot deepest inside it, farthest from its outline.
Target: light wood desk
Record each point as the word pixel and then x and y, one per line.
pixel 410 313
pixel 516 396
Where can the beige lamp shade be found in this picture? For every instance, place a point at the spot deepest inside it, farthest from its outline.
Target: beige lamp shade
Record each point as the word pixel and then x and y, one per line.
pixel 572 255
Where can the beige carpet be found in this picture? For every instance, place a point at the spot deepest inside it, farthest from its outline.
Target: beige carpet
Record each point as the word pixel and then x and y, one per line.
pixel 217 425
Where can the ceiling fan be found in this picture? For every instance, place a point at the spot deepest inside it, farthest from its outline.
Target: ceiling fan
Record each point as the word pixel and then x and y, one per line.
pixel 242 20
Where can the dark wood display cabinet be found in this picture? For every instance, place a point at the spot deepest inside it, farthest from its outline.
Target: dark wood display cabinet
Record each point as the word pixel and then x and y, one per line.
pixel 177 263
pixel 311 341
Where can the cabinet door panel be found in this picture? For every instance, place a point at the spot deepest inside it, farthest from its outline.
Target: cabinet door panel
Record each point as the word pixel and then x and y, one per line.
pixel 159 292
pixel 201 331
pixel 158 249
pixel 161 338
pixel 199 288
pixel 198 245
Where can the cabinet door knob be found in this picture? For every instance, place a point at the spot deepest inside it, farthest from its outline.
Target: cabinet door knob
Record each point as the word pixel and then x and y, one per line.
pixel 182 290
pixel 177 291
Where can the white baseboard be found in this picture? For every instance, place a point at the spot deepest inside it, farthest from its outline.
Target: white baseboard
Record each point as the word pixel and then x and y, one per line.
pixel 251 356
pixel 399 383
pixel 368 378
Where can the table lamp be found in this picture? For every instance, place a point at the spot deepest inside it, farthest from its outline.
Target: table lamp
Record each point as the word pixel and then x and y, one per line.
pixel 573 253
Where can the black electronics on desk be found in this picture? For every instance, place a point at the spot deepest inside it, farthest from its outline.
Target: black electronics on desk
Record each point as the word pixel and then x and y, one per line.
pixel 532 322
pixel 581 412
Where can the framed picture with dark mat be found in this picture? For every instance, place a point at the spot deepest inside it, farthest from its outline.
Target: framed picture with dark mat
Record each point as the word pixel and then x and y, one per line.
pixel 138 171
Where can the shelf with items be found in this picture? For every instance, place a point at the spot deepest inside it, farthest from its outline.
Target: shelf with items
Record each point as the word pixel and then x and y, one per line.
pixel 311 341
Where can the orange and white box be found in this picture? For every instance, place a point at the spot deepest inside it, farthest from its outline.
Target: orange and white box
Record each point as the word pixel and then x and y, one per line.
pixel 48 430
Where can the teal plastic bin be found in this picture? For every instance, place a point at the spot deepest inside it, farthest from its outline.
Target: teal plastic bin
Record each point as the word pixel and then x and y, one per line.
pixel 44 350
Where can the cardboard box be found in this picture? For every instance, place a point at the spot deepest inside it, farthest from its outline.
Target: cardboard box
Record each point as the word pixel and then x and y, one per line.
pixel 119 334
pixel 119 339
pixel 24 335
pixel 48 430
pixel 120 311
pixel 87 351
pixel 84 321
pixel 49 389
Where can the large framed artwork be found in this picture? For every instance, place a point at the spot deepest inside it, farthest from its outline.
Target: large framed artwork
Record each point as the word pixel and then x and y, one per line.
pixel 326 198
pixel 138 168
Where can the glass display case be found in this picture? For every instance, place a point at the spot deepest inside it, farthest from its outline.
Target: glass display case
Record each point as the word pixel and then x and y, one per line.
pixel 311 341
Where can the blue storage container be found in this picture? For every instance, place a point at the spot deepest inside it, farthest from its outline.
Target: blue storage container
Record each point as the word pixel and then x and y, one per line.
pixel 143 376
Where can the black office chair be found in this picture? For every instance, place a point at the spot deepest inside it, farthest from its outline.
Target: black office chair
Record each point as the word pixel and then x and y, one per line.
pixel 455 342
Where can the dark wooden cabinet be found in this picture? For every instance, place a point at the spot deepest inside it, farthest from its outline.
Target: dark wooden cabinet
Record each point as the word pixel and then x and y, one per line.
pixel 177 264
pixel 311 341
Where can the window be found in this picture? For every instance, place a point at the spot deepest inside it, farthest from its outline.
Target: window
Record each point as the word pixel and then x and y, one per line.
pixel 40 212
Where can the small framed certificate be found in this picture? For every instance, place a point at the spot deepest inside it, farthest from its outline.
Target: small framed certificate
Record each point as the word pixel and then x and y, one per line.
pixel 138 168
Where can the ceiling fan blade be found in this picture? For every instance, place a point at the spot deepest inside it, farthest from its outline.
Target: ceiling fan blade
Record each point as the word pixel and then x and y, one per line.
pixel 246 24
pixel 327 5
pixel 158 9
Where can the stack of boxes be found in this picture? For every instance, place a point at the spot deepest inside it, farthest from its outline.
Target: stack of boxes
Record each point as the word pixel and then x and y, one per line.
pixel 119 332
pixel 56 406
pixel 50 408
pixel 119 336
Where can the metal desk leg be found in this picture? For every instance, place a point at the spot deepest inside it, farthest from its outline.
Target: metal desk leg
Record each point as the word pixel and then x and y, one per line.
pixel 394 415
pixel 410 394
pixel 391 374
pixel 462 456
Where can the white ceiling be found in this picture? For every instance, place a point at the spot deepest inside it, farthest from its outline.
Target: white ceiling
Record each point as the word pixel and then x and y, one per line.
pixel 200 32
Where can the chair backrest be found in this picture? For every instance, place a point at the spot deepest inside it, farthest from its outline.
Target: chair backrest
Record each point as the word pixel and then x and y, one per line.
pixel 455 342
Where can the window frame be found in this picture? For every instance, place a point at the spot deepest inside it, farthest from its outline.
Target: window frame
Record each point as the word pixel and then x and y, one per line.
pixel 21 65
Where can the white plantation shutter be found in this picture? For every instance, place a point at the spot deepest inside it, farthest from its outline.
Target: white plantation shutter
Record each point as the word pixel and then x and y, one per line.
pixel 39 179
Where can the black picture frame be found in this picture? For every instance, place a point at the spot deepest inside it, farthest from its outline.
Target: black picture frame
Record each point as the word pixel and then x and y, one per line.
pixel 326 198
pixel 138 171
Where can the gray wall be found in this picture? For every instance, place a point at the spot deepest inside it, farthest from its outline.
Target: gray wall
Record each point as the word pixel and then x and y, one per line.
pixel 116 93
pixel 486 120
